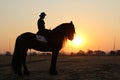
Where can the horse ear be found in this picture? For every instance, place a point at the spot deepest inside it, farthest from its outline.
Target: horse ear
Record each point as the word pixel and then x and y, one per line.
pixel 71 22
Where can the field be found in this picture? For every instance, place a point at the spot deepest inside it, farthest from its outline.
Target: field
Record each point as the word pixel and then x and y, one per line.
pixel 69 68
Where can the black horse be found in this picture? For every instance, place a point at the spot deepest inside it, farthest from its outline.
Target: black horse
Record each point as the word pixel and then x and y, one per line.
pixel 25 41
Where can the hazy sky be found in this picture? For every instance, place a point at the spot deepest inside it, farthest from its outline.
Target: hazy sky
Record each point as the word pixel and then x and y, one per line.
pixel 96 21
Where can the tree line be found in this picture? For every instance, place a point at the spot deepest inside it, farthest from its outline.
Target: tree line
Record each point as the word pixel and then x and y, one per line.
pixel 97 53
pixel 79 53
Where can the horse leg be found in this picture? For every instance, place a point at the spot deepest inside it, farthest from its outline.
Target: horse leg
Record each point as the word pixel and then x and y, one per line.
pixel 16 63
pixel 26 72
pixel 19 68
pixel 52 69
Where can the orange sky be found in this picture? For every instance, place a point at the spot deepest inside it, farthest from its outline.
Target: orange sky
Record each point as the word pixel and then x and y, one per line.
pixel 96 21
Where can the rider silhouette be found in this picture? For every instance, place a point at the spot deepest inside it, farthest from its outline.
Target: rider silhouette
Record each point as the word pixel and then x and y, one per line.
pixel 41 28
pixel 41 24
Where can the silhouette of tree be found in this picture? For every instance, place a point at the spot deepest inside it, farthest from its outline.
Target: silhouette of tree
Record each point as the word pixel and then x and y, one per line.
pixel 99 52
pixel 62 54
pixel 81 52
pixel 8 53
pixel 72 54
pixel 33 54
pixel 48 54
pixel 112 53
pixel 90 52
pixel 118 52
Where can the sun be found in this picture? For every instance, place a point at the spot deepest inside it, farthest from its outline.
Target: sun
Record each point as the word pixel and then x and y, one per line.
pixel 75 45
pixel 77 41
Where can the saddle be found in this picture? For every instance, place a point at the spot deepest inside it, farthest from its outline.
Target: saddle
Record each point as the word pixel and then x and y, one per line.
pixel 43 35
pixel 41 38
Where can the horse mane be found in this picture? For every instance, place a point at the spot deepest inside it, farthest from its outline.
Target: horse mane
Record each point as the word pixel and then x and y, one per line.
pixel 60 27
pixel 64 29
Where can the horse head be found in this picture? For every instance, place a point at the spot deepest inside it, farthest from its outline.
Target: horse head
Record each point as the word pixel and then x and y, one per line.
pixel 70 31
pixel 65 30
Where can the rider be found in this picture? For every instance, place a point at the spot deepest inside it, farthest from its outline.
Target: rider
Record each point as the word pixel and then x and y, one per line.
pixel 41 24
pixel 41 27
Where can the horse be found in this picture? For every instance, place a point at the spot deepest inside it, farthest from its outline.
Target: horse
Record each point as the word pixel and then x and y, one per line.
pixel 56 38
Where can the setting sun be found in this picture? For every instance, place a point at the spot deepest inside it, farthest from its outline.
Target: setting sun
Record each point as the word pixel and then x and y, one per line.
pixel 75 45
pixel 77 41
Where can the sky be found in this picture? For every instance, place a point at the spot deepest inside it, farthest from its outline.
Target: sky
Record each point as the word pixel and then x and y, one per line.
pixel 96 21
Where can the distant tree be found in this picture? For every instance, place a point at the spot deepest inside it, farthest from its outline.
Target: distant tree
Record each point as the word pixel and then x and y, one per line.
pixel 43 54
pixel 72 54
pixel 81 52
pixel 48 54
pixel 8 53
pixel 33 54
pixel 99 52
pixel 90 52
pixel 112 53
pixel 62 54
pixel 118 52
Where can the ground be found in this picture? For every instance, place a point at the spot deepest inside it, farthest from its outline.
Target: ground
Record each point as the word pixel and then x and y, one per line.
pixel 69 68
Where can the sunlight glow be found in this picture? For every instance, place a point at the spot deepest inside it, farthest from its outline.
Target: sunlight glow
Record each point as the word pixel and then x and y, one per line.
pixel 77 41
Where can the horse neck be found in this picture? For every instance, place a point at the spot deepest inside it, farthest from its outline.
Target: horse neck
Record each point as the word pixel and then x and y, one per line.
pixel 58 36
pixel 60 33
pixel 60 30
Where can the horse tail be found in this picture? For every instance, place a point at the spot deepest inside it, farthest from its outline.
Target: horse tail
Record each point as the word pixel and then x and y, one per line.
pixel 16 59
